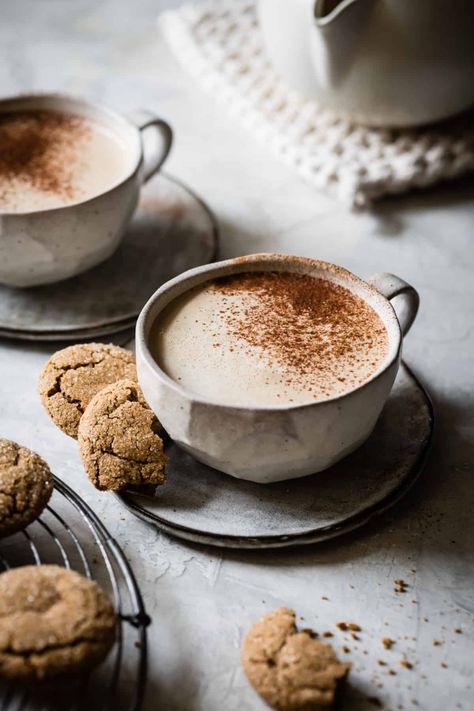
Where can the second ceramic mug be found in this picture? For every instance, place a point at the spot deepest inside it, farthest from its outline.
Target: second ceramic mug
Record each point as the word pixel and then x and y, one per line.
pixel 48 245
pixel 267 444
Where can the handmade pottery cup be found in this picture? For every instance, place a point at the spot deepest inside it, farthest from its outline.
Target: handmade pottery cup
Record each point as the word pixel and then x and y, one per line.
pixel 49 245
pixel 268 444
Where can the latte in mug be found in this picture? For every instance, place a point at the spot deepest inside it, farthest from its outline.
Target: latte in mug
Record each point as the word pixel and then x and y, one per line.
pixel 51 159
pixel 268 339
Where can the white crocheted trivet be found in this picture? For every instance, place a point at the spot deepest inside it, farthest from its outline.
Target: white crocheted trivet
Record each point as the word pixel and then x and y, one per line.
pixel 220 43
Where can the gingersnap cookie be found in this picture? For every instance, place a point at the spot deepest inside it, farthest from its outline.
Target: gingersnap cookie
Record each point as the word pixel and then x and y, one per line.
pixel 26 485
pixel 72 377
pixel 53 621
pixel 291 670
pixel 118 439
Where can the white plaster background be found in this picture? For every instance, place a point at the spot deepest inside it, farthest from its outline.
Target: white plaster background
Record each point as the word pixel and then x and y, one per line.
pixel 202 600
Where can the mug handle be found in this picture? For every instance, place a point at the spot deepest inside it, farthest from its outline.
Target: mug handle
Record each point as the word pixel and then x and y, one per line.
pixel 391 286
pixel 154 157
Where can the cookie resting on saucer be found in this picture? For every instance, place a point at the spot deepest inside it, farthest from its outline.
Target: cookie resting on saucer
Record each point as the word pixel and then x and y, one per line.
pixel 53 621
pixel 118 439
pixel 72 377
pixel 291 670
pixel 26 485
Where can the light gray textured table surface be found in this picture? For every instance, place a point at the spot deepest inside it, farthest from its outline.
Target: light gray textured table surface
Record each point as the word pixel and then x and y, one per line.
pixel 202 600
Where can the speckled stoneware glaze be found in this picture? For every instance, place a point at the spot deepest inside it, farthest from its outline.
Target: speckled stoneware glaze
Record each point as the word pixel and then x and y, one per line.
pixel 268 444
pixel 171 230
pixel 45 246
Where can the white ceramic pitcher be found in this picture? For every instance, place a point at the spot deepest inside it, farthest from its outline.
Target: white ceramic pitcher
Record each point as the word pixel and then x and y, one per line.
pixel 378 62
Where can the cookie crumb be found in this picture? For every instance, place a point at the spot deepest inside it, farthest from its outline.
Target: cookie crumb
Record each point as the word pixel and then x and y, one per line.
pixel 345 626
pixel 400 586
pixel 387 642
pixel 405 663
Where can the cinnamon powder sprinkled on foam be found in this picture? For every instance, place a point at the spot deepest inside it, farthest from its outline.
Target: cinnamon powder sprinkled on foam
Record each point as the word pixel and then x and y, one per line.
pixel 36 149
pixel 310 327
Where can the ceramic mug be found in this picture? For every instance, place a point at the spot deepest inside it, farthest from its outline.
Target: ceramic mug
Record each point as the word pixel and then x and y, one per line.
pixel 267 444
pixel 48 245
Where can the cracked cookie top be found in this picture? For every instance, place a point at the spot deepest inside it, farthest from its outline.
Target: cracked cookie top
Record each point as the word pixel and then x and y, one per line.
pixel 52 621
pixel 72 377
pixel 291 670
pixel 119 439
pixel 26 484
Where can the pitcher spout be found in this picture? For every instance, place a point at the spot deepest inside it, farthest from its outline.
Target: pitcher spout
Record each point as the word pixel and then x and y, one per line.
pixel 338 28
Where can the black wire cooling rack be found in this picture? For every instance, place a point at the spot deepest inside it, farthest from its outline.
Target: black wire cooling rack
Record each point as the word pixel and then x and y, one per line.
pixel 69 534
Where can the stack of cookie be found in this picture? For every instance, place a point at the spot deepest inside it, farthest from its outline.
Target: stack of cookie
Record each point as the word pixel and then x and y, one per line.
pixel 91 393
pixel 52 621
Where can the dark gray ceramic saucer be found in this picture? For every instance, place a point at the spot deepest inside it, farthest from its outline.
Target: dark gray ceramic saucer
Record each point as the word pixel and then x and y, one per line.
pixel 199 504
pixel 171 231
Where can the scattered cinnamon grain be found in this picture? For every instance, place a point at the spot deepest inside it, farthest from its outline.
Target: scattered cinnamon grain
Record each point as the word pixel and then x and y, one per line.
pixel 36 148
pixel 387 642
pixel 309 326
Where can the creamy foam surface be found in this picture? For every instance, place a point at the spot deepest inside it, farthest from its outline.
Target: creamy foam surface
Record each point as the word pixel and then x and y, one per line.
pixel 266 339
pixel 50 159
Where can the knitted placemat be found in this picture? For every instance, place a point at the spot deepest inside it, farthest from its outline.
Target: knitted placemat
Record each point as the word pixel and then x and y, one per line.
pixel 219 42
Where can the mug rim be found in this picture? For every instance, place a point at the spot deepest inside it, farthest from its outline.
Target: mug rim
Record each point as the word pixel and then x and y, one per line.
pixel 30 98
pixel 238 265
